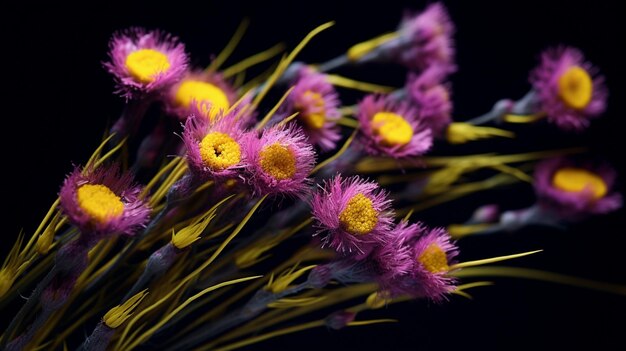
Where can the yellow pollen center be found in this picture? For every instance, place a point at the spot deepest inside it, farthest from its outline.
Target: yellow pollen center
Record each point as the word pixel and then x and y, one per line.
pixel 434 259
pixel 199 91
pixel 219 151
pixel 99 202
pixel 145 64
pixel 576 87
pixel 313 120
pixel 392 128
pixel 575 180
pixel 278 161
pixel 359 217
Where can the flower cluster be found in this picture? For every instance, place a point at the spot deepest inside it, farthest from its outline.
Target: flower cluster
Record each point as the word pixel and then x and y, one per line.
pixel 228 197
pixel 405 259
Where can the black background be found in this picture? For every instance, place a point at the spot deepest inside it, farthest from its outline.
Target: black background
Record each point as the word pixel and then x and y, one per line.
pixel 60 100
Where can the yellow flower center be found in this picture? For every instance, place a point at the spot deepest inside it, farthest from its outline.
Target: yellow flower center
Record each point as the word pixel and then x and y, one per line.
pixel 359 217
pixel 576 87
pixel 278 161
pixel 145 64
pixel 392 128
pixel 219 151
pixel 434 259
pixel 199 91
pixel 313 120
pixel 575 180
pixel 99 202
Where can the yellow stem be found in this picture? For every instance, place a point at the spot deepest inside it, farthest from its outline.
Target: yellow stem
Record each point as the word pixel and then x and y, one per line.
pixel 110 153
pixel 162 321
pixel 253 60
pixel 335 156
pixel 96 153
pixel 239 79
pixel 463 293
pixel 523 118
pixel 174 162
pixel 527 273
pixel 45 220
pixel 473 285
pixel 277 316
pixel 249 86
pixel 348 122
pixel 458 191
pixel 288 119
pixel 458 231
pixel 490 260
pixel 370 322
pixel 361 49
pixel 347 110
pixel 282 66
pixel 230 47
pixel 514 172
pixel 271 112
pixel 197 271
pixel 344 82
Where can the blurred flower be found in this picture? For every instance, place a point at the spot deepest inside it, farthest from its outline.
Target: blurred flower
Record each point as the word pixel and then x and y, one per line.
pixel 420 41
pixel 198 87
pixel 340 319
pixel 215 149
pixel 144 62
pixel 568 88
pixel 103 201
pixel 431 94
pixel 486 214
pixel 393 129
pixel 354 214
pixel 280 161
pixel 429 39
pixel 318 105
pixel 571 188
pixel 416 262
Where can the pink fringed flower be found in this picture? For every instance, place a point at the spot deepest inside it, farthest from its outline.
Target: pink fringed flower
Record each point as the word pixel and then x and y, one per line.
pixel 429 36
pixel 215 149
pixel 393 129
pixel 103 201
pixel 431 94
pixel 280 161
pixel 571 188
pixel 416 262
pixel 354 214
pixel 568 88
pixel 144 62
pixel 198 87
pixel 318 105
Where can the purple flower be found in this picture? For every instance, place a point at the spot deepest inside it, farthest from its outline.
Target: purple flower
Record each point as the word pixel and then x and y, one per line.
pixel 416 262
pixel 355 215
pixel 431 94
pixel 197 87
pixel 145 62
pixel 569 90
pixel 279 161
pixel 103 202
pixel 428 37
pixel 318 105
pixel 215 148
pixel 393 129
pixel 571 189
